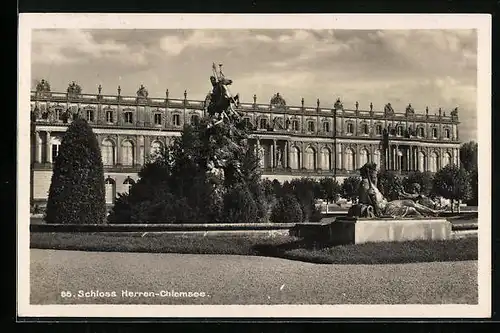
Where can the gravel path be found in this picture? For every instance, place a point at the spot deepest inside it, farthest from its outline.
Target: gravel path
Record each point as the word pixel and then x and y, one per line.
pixel 242 280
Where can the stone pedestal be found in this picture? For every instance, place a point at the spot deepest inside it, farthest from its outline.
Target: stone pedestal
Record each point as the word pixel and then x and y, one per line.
pixel 351 230
pixel 347 230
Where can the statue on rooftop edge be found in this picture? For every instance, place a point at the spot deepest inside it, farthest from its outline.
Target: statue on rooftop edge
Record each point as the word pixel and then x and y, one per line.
pixel 372 204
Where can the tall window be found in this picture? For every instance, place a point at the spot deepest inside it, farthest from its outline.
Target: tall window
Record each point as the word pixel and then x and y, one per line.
pixel 310 158
pixel 448 159
pixel 376 157
pixel 109 116
pixel 129 182
pixel 108 152
pixel 263 123
pixel 294 158
pixel 129 119
pixel 326 127
pixel 246 120
pixel 295 125
pixel 310 126
pixel 433 162
pixel 399 130
pixel 56 145
pixel 434 133
pixel 59 114
pixel 127 153
pixel 176 120
pixel 447 133
pixel 110 187
pixel 325 159
pixel 90 115
pixel 363 157
pixel 157 118
pixel 156 148
pixel 350 128
pixel 365 128
pixel 421 161
pixel 421 132
pixel 378 129
pixel 349 159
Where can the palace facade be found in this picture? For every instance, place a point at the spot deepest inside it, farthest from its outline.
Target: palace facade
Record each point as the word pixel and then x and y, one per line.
pixel 292 141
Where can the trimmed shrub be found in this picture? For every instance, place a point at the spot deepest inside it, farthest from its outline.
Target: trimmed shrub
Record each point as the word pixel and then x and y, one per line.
pixel 76 194
pixel 287 210
pixel 240 206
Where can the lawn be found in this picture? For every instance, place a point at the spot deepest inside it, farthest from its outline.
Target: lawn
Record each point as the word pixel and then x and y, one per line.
pixel 262 245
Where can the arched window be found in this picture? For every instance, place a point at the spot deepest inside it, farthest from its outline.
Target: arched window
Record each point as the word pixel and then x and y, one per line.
pixel 294 158
pixel 310 126
pixel 129 182
pixel 326 126
pixel 156 148
pixel 110 186
pixel 325 158
pixel 421 132
pixel 310 158
pixel 364 155
pixel 376 157
pixel 350 128
pixel 108 152
pixel 421 161
pixel 434 133
pixel 194 119
pixel 127 153
pixel 447 133
pixel 433 162
pixel 447 159
pixel 349 159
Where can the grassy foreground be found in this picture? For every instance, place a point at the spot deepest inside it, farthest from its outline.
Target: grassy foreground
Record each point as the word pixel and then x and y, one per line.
pixel 258 245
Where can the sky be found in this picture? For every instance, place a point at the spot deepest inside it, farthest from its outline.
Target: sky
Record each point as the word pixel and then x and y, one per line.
pixel 434 68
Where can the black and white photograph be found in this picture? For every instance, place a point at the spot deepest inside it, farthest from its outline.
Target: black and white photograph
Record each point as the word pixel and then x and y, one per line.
pixel 254 165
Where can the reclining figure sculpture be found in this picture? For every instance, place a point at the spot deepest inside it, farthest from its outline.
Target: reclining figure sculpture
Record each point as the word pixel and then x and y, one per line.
pixel 372 204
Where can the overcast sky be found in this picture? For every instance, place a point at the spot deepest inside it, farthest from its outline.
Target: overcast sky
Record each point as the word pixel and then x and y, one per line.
pixel 435 68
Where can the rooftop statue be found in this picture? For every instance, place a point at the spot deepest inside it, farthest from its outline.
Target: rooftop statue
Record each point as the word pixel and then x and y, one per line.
pixel 142 92
pixel 372 204
pixel 454 112
pixel 339 106
pixel 74 89
pixel 278 100
pixel 410 109
pixel 43 86
pixel 388 109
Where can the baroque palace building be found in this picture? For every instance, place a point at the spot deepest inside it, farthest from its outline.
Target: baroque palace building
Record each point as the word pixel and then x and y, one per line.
pixel 292 141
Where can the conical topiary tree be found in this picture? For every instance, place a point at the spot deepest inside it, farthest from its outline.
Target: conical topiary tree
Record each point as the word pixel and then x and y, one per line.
pixel 76 194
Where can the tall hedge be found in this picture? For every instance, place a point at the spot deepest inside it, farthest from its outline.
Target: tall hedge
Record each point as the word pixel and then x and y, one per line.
pixel 76 194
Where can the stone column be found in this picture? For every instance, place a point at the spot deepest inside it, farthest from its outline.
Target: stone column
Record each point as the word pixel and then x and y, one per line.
pixel 274 162
pixel 408 164
pixel 286 153
pixel 302 155
pixel 140 150
pixel 318 158
pixel 257 147
pixel 38 147
pixel 118 160
pixel 48 147
pixel 339 156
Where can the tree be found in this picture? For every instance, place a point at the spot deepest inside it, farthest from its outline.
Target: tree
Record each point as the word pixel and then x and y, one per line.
pixel 287 210
pixel 240 206
pixel 305 190
pixel 424 179
pixel 452 182
pixel 468 155
pixel 76 194
pixel 389 184
pixel 350 187
pixel 330 189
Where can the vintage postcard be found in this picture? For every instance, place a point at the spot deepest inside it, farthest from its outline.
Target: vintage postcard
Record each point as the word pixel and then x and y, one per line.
pixel 323 166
